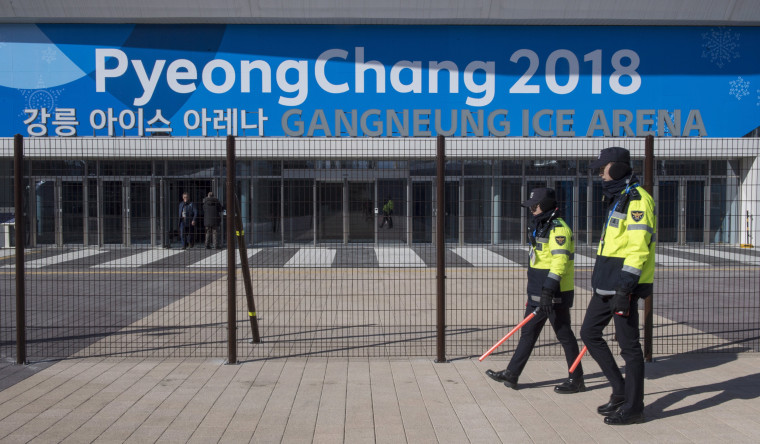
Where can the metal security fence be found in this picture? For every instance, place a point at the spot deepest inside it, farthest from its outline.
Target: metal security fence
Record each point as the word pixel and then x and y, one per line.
pixel 354 247
pixel 707 281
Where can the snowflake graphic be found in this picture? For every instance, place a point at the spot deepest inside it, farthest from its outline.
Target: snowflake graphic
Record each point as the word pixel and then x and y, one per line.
pixel 720 45
pixel 48 55
pixel 40 98
pixel 739 88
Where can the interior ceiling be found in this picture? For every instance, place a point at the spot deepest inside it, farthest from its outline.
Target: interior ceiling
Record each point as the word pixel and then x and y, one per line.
pixel 433 12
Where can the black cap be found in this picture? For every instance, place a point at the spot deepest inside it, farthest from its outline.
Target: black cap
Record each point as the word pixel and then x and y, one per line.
pixel 611 154
pixel 538 195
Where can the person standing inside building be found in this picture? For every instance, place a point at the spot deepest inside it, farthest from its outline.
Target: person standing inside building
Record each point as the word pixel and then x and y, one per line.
pixel 188 216
pixel 387 213
pixel 212 217
pixel 550 289
pixel 623 273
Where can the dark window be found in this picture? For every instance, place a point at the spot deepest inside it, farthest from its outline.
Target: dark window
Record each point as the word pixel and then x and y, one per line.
pixel 125 168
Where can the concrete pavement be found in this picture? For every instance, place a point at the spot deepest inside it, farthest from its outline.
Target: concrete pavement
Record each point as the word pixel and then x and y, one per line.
pixel 702 398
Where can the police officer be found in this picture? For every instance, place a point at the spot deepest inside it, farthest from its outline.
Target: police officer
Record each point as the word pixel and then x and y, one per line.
pixel 623 273
pixel 550 288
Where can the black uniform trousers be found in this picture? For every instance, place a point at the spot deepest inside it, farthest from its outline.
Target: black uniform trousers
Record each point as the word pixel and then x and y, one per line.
pixel 559 318
pixel 598 316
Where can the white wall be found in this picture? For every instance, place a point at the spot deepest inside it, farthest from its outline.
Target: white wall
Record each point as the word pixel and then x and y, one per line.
pixel 468 12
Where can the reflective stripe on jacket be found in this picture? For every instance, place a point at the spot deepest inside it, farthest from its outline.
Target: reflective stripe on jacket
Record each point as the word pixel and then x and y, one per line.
pixel 625 258
pixel 552 259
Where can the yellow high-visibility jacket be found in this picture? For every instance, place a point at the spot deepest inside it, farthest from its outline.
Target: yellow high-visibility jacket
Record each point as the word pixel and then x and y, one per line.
pixel 625 258
pixel 552 262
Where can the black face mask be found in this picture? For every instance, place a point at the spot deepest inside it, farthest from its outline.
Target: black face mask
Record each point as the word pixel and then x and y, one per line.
pixel 611 188
pixel 537 219
pixel 538 225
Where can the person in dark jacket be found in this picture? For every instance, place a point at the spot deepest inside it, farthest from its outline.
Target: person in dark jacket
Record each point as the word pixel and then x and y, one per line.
pixel 623 273
pixel 212 218
pixel 188 215
pixel 550 290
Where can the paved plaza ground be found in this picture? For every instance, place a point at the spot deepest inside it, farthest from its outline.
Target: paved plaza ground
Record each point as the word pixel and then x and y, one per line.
pixel 141 380
pixel 702 398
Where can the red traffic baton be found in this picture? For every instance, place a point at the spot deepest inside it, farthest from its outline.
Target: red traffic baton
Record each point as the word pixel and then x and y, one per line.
pixel 578 359
pixel 517 327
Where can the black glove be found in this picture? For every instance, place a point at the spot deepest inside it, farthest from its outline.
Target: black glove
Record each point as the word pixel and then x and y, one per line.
pixel 546 304
pixel 620 303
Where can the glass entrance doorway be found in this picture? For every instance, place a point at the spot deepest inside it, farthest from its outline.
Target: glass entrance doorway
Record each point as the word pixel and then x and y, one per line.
pixel 694 217
pixel 139 213
pixel 298 211
pixel 566 199
pixel 422 211
pixel 197 189
pixel 44 211
pixel 329 211
pixel 391 195
pixel 113 206
pixel 361 218
pixel 667 206
pixel 509 227
pixel 72 212
pixel 451 211
pixel 681 211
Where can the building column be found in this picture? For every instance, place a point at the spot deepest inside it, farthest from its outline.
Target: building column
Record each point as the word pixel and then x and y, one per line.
pixel 749 201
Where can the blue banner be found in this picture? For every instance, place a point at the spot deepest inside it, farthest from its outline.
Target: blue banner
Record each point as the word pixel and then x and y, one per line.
pixel 378 81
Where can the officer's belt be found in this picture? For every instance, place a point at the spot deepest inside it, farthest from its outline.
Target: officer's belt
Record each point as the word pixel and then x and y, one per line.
pixel 536 298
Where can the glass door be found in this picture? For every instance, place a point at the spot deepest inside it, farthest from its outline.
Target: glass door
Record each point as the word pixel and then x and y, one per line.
pixel 510 212
pixel 422 211
pixel 391 228
pixel 723 210
pixel 298 225
pixel 44 196
pixel 113 205
pixel 139 212
pixel 667 211
pixel 93 212
pixel 72 212
pixel 361 218
pixel 565 189
pixel 477 211
pixel 329 212
pixel 451 211
pixel 267 225
pixel 694 211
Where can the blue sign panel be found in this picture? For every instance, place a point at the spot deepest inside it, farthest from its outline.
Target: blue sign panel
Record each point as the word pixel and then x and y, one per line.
pixel 378 81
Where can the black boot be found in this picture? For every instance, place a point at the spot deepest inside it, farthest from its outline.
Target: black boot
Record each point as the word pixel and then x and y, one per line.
pixel 611 407
pixel 572 385
pixel 507 377
pixel 624 417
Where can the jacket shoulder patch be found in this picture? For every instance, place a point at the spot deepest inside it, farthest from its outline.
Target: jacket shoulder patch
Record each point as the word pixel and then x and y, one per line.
pixel 637 215
pixel 560 240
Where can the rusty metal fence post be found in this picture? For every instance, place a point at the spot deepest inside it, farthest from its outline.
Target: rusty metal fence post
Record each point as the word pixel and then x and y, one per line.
pixel 18 187
pixel 648 304
pixel 246 272
pixel 440 249
pixel 231 274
